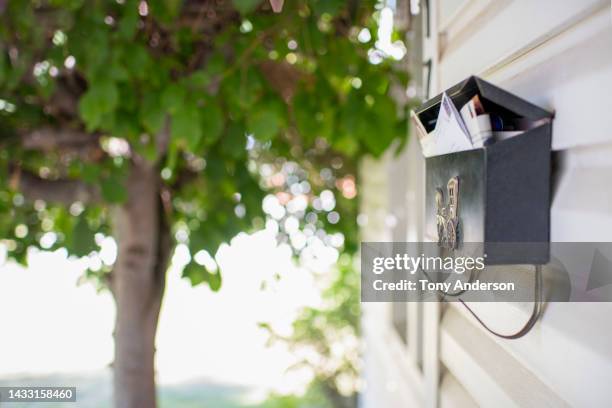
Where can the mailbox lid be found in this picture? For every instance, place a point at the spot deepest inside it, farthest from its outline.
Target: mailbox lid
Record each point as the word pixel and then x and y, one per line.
pixel 495 99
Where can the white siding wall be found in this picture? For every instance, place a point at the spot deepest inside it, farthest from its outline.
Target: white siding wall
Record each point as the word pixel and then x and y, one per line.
pixel 557 54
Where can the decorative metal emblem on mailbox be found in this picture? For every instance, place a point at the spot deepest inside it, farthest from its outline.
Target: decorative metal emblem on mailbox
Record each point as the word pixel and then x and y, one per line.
pixel 447 218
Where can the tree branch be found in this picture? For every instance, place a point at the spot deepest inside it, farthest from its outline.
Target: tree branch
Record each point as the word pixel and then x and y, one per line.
pixel 282 77
pixel 60 191
pixel 49 139
pixel 63 103
pixel 162 139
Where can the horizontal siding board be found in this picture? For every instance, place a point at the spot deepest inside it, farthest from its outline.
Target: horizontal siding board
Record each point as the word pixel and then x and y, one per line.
pixel 576 85
pixel 518 24
pixel 491 375
pixel 453 395
pixel 569 344
pixel 581 209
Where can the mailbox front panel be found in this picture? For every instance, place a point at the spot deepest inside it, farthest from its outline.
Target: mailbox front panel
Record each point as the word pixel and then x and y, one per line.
pixel 455 198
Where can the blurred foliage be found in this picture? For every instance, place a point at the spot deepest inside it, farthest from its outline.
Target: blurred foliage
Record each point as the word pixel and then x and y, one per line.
pixel 237 84
pixel 313 397
pixel 327 338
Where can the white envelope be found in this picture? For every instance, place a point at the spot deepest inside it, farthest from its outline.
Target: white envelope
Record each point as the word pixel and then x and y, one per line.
pixel 450 134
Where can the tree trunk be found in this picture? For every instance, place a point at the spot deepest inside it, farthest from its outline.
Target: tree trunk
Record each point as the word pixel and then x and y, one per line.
pixel 137 283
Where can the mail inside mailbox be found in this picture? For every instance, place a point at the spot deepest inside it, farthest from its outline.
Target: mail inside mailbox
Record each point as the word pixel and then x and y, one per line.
pixel 481 114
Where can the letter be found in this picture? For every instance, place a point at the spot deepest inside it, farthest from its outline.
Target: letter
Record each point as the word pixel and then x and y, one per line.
pixel 480 262
pixel 398 261
pixel 415 264
pixel 435 260
pixel 389 264
pixel 458 286
pixel 377 265
pixel 459 265
pixel 377 287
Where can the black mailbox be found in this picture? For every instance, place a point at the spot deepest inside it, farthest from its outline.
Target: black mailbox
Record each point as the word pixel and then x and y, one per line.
pixel 497 195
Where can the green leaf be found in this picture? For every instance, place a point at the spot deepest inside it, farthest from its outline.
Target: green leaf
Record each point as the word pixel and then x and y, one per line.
pixel 199 79
pixel 152 114
pixel 194 272
pixel 4 68
pixel 173 97
pixel 118 72
pixel 112 191
pixel 347 145
pixel 313 117
pixel 137 60
pixel 90 111
pixel 371 123
pixel 198 274
pixel 214 281
pixel 375 136
pixel 265 122
pixel 379 125
pixel 234 145
pixel 215 64
pixel 126 126
pixel 90 172
pixel 245 6
pixel 128 98
pixel 101 98
pixel 129 22
pixel 186 126
pixel 331 7
pixel 96 47
pixel 250 88
pixel 212 122
pixel 173 7
pixel 83 241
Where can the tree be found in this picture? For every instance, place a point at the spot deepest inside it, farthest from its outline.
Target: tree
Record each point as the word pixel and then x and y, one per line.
pixel 146 121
